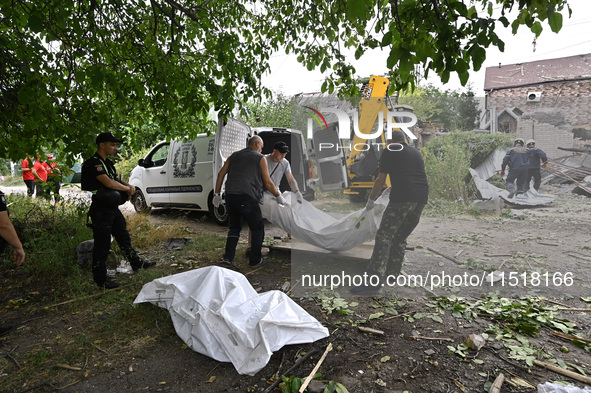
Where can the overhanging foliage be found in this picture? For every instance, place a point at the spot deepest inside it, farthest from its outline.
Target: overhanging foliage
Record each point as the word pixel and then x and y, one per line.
pixel 73 68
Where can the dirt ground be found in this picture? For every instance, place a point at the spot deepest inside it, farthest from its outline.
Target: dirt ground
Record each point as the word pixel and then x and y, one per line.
pixel 551 245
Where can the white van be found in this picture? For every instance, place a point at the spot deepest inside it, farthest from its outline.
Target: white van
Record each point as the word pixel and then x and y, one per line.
pixel 181 174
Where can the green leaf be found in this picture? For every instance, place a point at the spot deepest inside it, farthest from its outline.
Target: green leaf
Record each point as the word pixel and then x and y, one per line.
pixel 555 21
pixel 25 96
pixel 35 22
pixel 341 388
pixel 356 10
pixel 537 28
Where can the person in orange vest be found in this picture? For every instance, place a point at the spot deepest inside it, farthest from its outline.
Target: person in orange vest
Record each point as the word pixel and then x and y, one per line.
pixel 28 178
pixel 53 176
pixel 40 175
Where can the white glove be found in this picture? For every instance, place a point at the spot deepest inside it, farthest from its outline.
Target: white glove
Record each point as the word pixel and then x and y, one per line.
pixel 369 205
pixel 299 196
pixel 281 200
pixel 217 200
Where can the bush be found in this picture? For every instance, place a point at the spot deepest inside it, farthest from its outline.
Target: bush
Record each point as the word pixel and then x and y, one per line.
pixel 477 146
pixel 126 164
pixel 447 171
pixel 50 235
pixel 448 158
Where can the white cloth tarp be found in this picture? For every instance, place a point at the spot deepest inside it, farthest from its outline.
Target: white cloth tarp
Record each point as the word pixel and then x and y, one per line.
pixel 307 223
pixel 530 198
pixel 217 313
pixel 549 387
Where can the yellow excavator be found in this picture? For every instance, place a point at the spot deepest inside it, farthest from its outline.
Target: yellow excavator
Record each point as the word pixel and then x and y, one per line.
pixel 362 156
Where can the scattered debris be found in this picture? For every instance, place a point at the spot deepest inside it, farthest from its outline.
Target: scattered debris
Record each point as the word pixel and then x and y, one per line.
pixel 549 387
pixel 370 330
pixel 68 367
pixel 313 372
pixel 567 373
pixel 496 386
pixel 285 287
pixel 475 342
pixel 84 252
pixel 176 243
pixel 443 255
pixel 416 337
pixel 300 360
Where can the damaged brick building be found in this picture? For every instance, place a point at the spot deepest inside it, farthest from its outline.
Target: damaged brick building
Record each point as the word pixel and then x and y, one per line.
pixel 546 100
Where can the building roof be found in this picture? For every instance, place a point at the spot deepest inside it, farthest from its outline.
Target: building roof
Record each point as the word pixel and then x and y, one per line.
pixel 543 71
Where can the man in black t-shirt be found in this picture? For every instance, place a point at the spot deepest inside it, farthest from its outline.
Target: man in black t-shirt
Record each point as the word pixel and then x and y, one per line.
pixel 100 177
pixel 408 196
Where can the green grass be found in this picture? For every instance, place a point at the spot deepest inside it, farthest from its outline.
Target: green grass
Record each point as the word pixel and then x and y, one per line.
pixel 10 181
pixel 53 290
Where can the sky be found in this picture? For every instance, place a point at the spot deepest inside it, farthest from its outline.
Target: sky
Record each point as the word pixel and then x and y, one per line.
pixel 290 78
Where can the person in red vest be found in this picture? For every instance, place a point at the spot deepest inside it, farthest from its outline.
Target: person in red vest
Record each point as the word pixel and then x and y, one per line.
pixel 40 175
pixel 53 173
pixel 28 177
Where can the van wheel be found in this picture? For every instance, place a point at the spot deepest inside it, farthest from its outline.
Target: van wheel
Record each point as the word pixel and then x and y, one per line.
pixel 139 202
pixel 220 214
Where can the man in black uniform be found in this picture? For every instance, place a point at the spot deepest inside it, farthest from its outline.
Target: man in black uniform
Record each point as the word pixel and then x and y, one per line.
pixel 408 197
pixel 517 158
pixel 100 177
pixel 533 170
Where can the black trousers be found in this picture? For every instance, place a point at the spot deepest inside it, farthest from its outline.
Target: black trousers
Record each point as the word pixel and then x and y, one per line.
pixel 107 221
pixel 30 187
pixel 536 174
pixel 243 207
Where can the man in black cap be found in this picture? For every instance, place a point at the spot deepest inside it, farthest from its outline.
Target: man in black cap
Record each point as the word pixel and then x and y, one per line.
pixel 279 166
pixel 100 177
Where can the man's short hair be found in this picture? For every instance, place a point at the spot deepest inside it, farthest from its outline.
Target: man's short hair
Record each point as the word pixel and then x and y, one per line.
pixel 398 136
pixel 254 140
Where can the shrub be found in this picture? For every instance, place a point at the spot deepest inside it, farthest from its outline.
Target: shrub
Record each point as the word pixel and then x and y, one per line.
pixel 448 158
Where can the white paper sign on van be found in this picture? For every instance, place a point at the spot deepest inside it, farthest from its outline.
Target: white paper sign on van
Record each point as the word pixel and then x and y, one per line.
pixel 185 158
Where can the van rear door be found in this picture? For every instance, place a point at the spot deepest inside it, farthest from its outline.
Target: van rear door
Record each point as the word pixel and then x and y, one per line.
pixel 327 151
pixel 231 135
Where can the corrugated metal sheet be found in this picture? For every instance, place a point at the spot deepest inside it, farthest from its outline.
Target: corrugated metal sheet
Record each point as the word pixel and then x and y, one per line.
pixel 530 198
pixel 492 164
